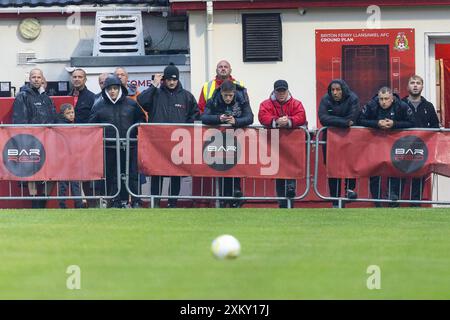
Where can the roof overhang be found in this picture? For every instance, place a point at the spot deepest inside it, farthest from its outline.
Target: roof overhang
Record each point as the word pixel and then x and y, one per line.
pixel 63 3
pixel 186 5
pixel 60 8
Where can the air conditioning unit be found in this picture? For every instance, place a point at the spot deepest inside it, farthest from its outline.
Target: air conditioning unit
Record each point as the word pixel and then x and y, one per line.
pixel 119 34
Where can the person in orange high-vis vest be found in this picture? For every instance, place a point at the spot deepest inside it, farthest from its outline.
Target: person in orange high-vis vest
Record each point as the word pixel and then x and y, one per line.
pixel 223 72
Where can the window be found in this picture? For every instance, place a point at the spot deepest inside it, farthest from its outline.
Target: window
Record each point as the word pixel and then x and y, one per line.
pixel 262 37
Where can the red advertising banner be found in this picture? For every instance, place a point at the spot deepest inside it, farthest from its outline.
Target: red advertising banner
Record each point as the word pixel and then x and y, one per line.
pixel 362 152
pixel 57 153
pixel 221 152
pixel 367 59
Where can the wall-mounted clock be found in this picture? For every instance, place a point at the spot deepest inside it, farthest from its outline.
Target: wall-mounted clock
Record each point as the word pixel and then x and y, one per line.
pixel 30 28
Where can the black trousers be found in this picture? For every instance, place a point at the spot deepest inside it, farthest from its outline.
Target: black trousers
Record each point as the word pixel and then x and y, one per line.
pixel 417 186
pixel 335 187
pixel 156 187
pixel 282 185
pixel 228 186
pixel 75 191
pixel 111 174
pixel 334 184
pixel 395 187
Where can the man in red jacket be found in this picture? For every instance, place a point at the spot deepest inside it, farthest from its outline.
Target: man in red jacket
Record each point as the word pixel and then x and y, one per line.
pixel 281 110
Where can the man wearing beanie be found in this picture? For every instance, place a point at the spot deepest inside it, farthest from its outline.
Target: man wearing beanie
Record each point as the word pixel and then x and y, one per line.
pixel 167 102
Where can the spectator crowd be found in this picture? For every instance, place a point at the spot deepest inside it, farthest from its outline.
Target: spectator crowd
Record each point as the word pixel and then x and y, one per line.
pixel 222 100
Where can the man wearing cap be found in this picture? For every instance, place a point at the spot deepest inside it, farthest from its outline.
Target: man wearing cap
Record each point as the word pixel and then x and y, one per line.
pixel 282 110
pixel 223 72
pixel 167 102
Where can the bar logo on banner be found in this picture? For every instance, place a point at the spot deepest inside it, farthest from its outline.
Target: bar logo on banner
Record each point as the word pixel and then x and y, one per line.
pixel 23 155
pixel 201 151
pixel 221 150
pixel 409 154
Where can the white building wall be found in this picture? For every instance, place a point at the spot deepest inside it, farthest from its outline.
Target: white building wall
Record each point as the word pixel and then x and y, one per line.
pixel 298 65
pixel 55 41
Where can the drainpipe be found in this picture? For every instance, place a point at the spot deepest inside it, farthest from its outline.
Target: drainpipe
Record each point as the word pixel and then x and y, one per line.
pixel 209 59
pixel 209 39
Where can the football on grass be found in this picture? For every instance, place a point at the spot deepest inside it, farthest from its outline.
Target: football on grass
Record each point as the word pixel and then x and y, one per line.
pixel 226 247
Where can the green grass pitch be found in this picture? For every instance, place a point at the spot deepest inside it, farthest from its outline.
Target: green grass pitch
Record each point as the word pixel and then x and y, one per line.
pixel 165 253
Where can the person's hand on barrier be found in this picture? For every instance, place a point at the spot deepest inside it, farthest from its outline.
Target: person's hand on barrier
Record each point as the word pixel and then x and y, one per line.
pixel 389 123
pixel 282 121
pixel 156 79
pixel 224 118
pixel 350 123
pixel 231 120
pixel 382 124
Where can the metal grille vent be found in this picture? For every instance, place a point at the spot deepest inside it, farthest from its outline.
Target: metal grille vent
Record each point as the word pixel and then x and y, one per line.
pixel 24 58
pixel 119 34
pixel 262 37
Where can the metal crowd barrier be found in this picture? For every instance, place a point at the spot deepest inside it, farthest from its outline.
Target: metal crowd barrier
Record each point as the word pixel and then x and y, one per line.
pixel 386 187
pixel 95 192
pixel 206 190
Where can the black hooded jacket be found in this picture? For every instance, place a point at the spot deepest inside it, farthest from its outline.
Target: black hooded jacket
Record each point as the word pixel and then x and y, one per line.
pixel 338 113
pixel 86 99
pixel 32 107
pixel 424 115
pixel 169 106
pixel 122 114
pixel 239 108
pixel 399 112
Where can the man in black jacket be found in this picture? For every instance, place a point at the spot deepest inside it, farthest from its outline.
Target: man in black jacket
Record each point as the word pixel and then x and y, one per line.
pixel 424 117
pixel 339 107
pixel 83 97
pixel 229 105
pixel 33 106
pixel 122 112
pixel 83 101
pixel 167 102
pixel 386 111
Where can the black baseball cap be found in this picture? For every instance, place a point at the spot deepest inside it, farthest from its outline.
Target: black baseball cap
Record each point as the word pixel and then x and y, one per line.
pixel 280 84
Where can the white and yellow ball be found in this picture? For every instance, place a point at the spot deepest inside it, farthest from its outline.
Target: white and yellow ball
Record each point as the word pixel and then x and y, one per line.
pixel 226 247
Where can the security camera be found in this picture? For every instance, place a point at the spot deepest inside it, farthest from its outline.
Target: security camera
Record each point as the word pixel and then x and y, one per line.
pixel 301 11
